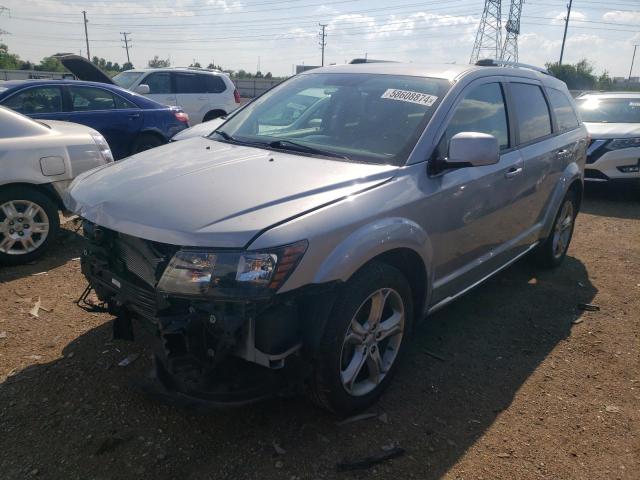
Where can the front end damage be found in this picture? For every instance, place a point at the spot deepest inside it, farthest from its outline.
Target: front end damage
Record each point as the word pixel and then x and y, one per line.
pixel 211 352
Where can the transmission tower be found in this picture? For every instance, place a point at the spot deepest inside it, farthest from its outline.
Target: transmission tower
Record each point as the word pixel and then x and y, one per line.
pixel 488 42
pixel 510 47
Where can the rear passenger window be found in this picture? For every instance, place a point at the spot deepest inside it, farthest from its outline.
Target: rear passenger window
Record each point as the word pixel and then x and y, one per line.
pixel 84 99
pixel 214 84
pixel 565 114
pixel 190 83
pixel 534 120
pixel 482 110
pixel 158 83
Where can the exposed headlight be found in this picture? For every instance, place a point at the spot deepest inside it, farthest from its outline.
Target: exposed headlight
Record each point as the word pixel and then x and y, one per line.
pixel 619 143
pixel 103 147
pixel 231 274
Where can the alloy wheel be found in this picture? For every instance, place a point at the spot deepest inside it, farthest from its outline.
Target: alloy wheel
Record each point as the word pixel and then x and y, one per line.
pixel 372 342
pixel 24 226
pixel 563 229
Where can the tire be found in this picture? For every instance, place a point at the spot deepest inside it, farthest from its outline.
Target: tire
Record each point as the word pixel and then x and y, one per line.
pixel 23 210
pixel 146 141
pixel 213 114
pixel 551 253
pixel 334 386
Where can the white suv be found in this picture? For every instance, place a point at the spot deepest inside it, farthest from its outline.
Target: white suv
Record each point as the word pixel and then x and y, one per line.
pixel 203 94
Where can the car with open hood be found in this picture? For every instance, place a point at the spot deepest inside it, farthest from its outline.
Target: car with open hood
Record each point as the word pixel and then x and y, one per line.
pixel 298 244
pixel 38 161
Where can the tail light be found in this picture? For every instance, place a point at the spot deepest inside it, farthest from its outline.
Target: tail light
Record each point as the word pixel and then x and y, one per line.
pixel 182 117
pixel 236 95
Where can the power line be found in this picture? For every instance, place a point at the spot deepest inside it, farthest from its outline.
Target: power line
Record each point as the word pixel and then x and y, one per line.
pixel 323 39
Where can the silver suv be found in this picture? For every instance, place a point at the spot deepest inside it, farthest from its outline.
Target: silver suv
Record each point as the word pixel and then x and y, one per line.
pixel 299 242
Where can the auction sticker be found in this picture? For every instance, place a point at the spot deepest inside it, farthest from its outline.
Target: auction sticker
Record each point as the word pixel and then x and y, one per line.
pixel 409 96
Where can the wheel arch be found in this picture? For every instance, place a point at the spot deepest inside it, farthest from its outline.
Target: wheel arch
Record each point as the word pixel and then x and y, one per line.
pixel 45 188
pixel 219 111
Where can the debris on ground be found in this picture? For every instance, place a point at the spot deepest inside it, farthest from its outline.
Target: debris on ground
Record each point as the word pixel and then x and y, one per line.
pixel 433 355
pixel 38 274
pixel 128 360
pixel 278 449
pixel 369 462
pixel 356 418
pixel 533 281
pixel 612 409
pixel 588 307
pixel 3 334
pixel 36 308
pixel 577 321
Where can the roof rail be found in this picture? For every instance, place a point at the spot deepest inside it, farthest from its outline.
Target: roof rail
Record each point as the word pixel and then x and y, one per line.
pixel 489 62
pixel 356 61
pixel 198 68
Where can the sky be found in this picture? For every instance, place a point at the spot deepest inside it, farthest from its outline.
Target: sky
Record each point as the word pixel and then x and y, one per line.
pixel 275 35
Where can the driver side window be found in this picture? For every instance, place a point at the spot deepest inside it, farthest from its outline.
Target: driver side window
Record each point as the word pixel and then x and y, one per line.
pixel 482 110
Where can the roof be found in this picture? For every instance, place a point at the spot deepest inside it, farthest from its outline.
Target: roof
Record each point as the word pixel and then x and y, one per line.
pixel 447 71
pixel 177 69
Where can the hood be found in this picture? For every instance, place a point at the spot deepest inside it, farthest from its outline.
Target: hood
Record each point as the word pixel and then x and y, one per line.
pixel 83 69
pixel 612 130
pixel 201 192
pixel 201 130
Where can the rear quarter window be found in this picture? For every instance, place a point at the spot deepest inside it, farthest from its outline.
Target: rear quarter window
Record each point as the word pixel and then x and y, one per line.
pixel 190 83
pixel 532 111
pixel 214 84
pixel 565 114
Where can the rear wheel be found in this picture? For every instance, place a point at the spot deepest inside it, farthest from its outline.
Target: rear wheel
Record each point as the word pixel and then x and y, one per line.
pixel 552 252
pixel 146 141
pixel 29 222
pixel 364 339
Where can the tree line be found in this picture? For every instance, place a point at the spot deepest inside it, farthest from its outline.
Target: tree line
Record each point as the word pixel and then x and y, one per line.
pixel 582 76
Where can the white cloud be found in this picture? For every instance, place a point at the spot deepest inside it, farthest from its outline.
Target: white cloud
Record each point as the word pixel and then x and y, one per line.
pixel 559 18
pixel 622 17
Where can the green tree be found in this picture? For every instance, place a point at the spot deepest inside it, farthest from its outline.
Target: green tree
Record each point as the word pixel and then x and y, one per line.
pixel 577 77
pixel 9 61
pixel 157 62
pixel 243 74
pixel 259 74
pixel 268 75
pixel 50 64
pixel 127 66
pixel 195 64
pixel 605 82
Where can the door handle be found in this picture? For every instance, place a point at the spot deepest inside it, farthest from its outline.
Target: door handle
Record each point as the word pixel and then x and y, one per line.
pixel 202 98
pixel 563 152
pixel 512 172
pixel 134 115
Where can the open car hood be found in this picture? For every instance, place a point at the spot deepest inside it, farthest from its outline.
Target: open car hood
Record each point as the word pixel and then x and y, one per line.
pixel 83 69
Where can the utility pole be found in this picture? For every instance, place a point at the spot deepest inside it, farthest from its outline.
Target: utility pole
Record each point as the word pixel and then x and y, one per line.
pixel 566 26
pixel 86 34
pixel 323 43
pixel 126 43
pixel 635 47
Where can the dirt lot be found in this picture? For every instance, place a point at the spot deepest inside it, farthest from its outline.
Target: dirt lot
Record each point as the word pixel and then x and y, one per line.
pixel 527 386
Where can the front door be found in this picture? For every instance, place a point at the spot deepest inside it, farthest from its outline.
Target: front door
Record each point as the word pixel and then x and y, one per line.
pixel 472 208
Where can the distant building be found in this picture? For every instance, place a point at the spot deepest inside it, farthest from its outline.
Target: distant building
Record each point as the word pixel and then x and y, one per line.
pixel 626 80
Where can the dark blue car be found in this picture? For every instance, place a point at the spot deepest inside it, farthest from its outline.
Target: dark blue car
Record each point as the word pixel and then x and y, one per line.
pixel 131 123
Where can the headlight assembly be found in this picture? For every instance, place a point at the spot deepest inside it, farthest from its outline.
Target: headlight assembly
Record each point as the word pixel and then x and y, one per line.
pixel 620 143
pixel 230 274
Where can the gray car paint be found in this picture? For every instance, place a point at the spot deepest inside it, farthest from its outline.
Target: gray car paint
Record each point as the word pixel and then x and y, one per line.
pixel 464 224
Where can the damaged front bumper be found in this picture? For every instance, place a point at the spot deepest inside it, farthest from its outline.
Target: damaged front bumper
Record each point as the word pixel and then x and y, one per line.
pixel 210 353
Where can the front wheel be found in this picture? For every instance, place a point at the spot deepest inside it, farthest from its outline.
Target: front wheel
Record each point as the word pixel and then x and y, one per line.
pixel 28 224
pixel 364 339
pixel 552 252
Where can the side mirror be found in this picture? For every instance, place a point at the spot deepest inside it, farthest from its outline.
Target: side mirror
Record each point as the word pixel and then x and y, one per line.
pixel 472 149
pixel 143 89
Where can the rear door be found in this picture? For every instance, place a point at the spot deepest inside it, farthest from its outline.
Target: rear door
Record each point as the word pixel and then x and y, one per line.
pixel 160 87
pixel 541 151
pixel 473 206
pixel 191 95
pixel 39 102
pixel 117 119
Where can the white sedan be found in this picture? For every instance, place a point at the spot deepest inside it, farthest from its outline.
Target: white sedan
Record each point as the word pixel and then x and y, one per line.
pixel 38 161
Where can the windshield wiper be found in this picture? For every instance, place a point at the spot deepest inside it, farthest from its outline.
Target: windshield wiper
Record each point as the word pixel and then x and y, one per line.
pixel 225 135
pixel 298 147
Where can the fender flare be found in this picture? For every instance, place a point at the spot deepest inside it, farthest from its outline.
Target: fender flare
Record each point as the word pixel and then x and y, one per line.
pixel 572 174
pixel 370 241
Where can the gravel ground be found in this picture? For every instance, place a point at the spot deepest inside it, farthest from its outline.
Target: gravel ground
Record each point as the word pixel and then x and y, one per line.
pixel 512 381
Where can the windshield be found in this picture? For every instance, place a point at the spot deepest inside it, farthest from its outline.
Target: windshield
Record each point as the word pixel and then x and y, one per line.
pixel 126 79
pixel 609 110
pixel 362 117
